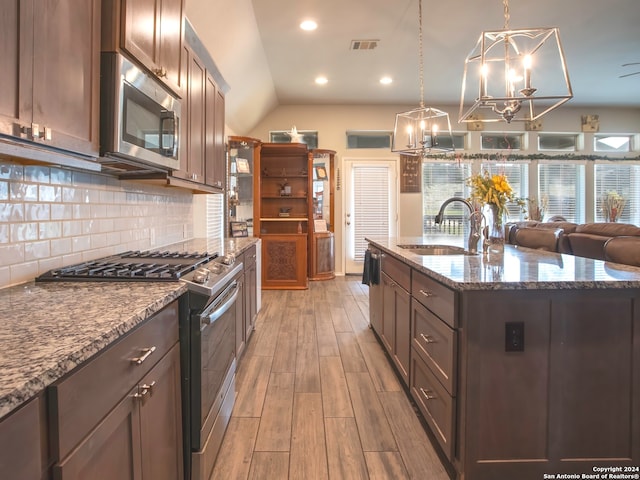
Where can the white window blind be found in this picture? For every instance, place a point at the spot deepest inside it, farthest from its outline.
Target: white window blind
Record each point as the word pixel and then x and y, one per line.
pixel 441 181
pixel 518 177
pixel 625 181
pixel 215 216
pixel 564 186
pixel 371 205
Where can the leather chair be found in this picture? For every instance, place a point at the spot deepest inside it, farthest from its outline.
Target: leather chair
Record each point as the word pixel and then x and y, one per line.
pixel 538 238
pixel 624 249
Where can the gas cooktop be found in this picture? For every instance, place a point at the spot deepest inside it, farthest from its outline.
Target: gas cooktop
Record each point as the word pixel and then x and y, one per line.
pixel 132 266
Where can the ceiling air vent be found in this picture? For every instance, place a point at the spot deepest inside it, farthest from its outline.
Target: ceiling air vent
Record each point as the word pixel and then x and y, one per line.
pixel 364 44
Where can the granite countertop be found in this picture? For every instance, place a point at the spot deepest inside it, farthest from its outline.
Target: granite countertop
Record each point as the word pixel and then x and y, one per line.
pixel 49 328
pixel 518 268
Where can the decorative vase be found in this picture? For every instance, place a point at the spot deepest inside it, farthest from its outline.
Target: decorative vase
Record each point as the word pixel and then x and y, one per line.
pixel 495 237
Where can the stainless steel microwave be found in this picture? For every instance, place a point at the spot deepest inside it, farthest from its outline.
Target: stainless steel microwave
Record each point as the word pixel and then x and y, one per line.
pixel 140 118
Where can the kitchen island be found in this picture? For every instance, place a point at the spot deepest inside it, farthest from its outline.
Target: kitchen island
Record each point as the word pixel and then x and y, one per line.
pixel 523 363
pixel 53 329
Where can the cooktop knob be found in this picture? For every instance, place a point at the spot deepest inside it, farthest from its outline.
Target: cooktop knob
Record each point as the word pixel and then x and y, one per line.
pixel 201 275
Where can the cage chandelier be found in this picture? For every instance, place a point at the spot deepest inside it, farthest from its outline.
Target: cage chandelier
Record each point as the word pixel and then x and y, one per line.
pixel 423 129
pixel 521 75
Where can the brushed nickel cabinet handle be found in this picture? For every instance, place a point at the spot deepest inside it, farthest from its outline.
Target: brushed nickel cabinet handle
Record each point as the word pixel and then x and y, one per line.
pixel 145 354
pixel 148 387
pixel 427 394
pixel 139 395
pixel 427 338
pixel 427 293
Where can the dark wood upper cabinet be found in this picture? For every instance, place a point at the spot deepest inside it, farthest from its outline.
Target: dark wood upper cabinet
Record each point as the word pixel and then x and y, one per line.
pixel 51 73
pixel 150 31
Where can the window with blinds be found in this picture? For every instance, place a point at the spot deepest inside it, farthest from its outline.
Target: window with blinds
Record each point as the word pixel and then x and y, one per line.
pixel 518 177
pixel 371 205
pixel 623 180
pixel 563 184
pixel 441 181
pixel 215 216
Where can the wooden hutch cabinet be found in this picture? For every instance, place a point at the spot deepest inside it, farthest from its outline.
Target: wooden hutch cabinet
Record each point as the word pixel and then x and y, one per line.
pixel 282 211
pixel 322 244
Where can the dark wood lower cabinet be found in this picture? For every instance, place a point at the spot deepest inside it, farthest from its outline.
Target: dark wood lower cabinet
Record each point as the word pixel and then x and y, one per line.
pixel 119 416
pixel 23 442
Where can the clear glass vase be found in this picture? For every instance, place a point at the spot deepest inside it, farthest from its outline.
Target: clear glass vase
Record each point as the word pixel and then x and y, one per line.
pixel 495 227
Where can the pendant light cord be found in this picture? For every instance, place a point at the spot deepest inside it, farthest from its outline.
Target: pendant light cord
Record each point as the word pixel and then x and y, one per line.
pixel 421 60
pixel 507 15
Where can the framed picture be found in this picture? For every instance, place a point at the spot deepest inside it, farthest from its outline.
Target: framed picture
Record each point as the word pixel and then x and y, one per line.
pixel 242 165
pixel 321 173
pixel 239 229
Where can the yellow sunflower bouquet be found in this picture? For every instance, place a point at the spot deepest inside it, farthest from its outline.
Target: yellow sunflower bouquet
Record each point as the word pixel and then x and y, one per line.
pixel 493 190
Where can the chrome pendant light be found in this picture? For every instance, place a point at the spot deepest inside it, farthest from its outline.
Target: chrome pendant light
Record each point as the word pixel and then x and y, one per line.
pixel 419 131
pixel 521 75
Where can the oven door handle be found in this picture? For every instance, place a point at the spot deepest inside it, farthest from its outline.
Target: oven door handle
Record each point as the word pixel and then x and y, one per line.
pixel 207 318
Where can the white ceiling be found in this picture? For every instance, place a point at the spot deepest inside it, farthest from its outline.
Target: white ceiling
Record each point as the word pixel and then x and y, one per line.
pixel 269 60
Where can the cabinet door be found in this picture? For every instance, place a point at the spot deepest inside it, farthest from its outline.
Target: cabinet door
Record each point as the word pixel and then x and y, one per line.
pixel 210 167
pixel 215 169
pixel 193 131
pixel 161 420
pixel 240 317
pixel 170 40
pixel 141 30
pixel 387 333
pixel 16 64
pixel 110 451
pixel 20 442
pixel 285 261
pixel 66 74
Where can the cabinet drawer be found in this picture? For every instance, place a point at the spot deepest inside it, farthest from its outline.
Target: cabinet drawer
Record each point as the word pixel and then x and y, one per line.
pixel 435 403
pixel 398 271
pixel 81 399
pixel 436 343
pixel 435 296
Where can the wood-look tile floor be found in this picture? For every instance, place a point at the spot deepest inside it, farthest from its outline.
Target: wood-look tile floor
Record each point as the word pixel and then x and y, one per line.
pixel 317 398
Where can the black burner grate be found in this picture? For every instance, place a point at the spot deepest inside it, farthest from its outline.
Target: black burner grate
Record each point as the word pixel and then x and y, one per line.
pixel 132 265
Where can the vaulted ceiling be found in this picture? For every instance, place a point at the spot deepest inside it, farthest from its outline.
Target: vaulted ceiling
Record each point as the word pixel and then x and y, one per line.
pixel 269 61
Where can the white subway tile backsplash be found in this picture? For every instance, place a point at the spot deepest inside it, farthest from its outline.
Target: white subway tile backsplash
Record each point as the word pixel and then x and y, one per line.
pixel 50 217
pixel 26 192
pixel 12 254
pixel 61 246
pixel 81 243
pixel 23 232
pixel 11 212
pixel 49 193
pixel 36 250
pixel 37 212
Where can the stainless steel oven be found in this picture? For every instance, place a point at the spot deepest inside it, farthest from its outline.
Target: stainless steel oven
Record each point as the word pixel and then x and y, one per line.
pixel 140 118
pixel 209 351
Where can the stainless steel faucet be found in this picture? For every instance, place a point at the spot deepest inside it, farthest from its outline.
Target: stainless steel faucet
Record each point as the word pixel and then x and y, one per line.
pixel 475 220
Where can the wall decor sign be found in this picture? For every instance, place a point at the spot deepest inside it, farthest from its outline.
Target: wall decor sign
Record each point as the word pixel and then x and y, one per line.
pixel 410 174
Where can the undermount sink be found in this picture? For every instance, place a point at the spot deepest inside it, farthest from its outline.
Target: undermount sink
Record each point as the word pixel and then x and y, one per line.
pixel 436 250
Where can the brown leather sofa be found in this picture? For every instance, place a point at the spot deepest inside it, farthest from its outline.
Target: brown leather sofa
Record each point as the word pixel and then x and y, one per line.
pixel 582 240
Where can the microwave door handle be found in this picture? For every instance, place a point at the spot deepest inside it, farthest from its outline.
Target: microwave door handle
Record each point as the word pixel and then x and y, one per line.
pixel 168 116
pixel 208 318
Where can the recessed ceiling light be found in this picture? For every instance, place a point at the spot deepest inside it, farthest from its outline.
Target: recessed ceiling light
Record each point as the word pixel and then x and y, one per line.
pixel 308 25
pixel 386 80
pixel 321 80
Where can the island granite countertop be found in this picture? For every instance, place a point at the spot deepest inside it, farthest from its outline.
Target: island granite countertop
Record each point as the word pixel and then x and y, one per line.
pixel 49 328
pixel 518 268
